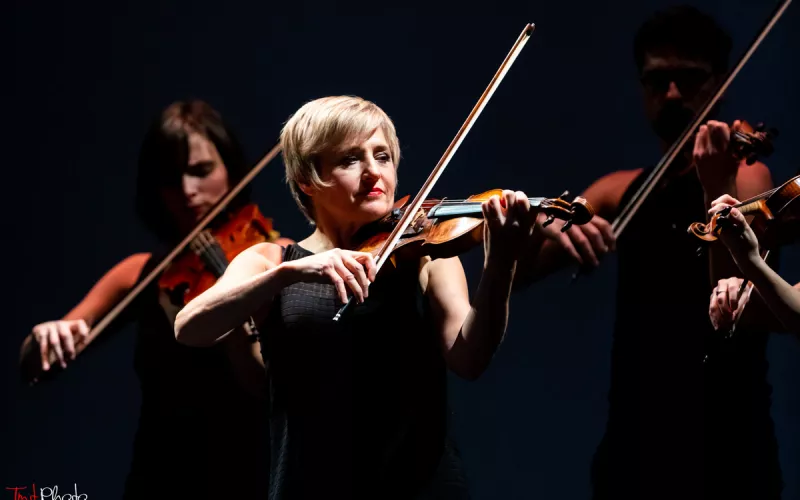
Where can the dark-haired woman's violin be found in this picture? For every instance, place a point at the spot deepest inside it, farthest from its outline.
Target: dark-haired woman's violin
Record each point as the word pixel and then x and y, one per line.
pixel 212 250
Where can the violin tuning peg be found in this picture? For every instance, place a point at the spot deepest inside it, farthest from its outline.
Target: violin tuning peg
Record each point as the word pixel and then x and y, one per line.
pixel 567 225
pixel 548 221
pixel 760 127
pixel 564 194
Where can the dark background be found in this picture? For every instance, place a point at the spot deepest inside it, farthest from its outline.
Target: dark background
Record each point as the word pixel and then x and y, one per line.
pixel 87 80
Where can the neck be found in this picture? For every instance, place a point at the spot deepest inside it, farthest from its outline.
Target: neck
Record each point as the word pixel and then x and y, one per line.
pixel 330 234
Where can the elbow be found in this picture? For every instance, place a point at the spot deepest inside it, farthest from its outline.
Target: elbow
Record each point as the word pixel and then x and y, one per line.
pixel 468 362
pixel 186 330
pixel 470 375
pixel 469 371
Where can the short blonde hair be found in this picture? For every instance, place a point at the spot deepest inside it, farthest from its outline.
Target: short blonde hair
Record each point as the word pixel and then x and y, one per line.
pixel 322 124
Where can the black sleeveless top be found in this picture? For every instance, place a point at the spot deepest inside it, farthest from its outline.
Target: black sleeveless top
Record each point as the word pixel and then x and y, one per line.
pixel 199 433
pixel 678 428
pixel 357 408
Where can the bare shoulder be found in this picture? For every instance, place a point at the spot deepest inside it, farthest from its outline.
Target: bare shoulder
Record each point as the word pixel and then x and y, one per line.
pixel 605 194
pixel 270 253
pixel 437 272
pixel 130 268
pixel 758 172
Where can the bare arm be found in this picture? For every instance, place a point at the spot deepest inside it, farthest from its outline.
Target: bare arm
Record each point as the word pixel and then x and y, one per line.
pixel 254 278
pixel 56 342
pixel 751 180
pixel 250 282
pixel 782 298
pixel 471 333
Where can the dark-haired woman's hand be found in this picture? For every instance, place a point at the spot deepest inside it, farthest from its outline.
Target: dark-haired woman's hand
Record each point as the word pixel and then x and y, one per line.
pixel 59 338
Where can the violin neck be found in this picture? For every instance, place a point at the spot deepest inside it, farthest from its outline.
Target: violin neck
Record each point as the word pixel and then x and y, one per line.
pixel 466 209
pixel 748 208
pixel 210 253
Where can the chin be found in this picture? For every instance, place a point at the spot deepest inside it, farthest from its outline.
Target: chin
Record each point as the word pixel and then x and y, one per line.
pixel 375 210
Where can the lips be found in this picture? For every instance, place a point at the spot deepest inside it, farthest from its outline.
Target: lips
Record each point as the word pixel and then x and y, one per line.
pixel 374 190
pixel 197 209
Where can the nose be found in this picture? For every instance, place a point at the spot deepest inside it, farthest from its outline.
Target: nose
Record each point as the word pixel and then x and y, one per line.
pixel 673 92
pixel 189 185
pixel 372 169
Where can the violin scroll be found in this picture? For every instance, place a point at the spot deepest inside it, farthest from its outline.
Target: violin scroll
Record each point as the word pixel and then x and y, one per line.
pixel 750 143
pixel 710 231
pixel 578 212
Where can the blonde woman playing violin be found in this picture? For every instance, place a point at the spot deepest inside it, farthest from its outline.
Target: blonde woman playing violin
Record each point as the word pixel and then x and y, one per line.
pixel 781 298
pixel 359 408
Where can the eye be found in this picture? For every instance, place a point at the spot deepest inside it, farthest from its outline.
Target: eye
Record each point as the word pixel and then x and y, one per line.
pixel 383 157
pixel 200 169
pixel 349 160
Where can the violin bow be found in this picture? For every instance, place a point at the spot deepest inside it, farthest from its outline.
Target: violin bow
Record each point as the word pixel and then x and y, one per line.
pixel 627 213
pixel 142 284
pixel 416 204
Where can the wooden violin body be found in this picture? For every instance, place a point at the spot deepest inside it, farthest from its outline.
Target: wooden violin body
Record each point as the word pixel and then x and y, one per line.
pixel 446 228
pixel 196 271
pixel 774 216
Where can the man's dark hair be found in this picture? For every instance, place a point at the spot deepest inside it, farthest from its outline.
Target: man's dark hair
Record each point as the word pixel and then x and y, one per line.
pixel 688 33
pixel 164 156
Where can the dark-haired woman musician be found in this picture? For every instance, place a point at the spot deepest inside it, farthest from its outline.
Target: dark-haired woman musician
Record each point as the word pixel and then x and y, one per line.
pixel 188 161
pixel 358 408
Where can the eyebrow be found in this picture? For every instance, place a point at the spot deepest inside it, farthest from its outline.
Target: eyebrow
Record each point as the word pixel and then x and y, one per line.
pixel 356 150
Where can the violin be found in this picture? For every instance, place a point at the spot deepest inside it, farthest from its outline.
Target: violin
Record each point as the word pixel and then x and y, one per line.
pixel 415 222
pixel 446 228
pixel 774 214
pixel 211 251
pixel 747 143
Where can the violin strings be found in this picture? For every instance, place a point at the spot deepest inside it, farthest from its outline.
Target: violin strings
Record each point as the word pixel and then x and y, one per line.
pixel 471 202
pixel 761 196
pixel 211 258
pixel 223 260
pixel 216 253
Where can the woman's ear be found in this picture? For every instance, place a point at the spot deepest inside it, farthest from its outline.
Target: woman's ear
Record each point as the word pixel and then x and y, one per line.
pixel 306 189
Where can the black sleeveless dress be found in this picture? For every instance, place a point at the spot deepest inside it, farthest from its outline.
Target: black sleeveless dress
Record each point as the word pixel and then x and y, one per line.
pixel 678 428
pixel 200 436
pixel 357 409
